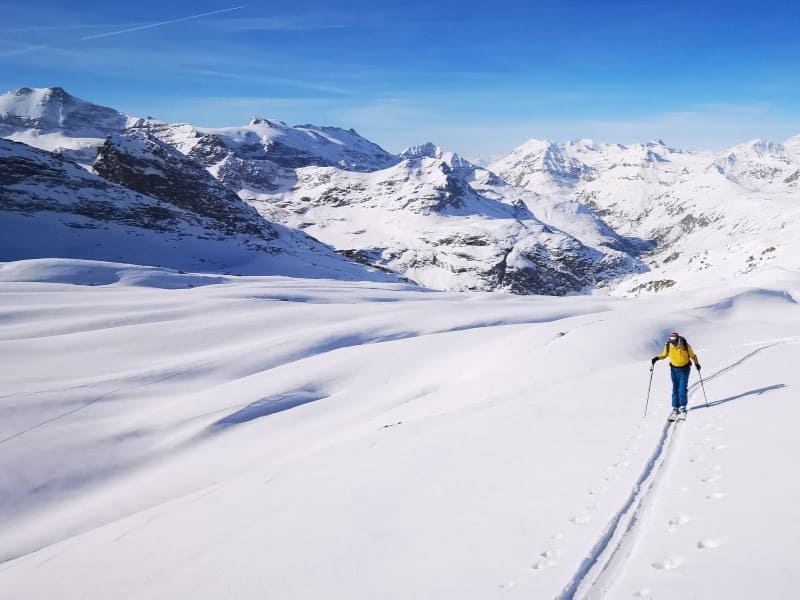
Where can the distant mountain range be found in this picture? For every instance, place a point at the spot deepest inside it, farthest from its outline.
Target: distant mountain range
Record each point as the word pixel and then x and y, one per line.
pixel 84 181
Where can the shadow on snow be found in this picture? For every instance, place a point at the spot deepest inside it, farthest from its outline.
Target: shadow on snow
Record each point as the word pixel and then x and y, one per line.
pixel 755 392
pixel 267 406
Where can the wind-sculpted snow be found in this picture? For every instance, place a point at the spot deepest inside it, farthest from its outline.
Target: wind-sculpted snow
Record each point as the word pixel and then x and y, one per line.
pixel 305 439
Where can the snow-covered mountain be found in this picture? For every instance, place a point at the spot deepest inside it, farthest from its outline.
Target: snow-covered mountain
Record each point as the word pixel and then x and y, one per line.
pixel 548 218
pixel 51 119
pixel 427 215
pixel 448 224
pixel 709 216
pixel 52 207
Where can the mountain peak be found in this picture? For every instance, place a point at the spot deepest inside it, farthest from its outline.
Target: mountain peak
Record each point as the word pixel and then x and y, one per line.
pixel 534 146
pixel 54 109
pixel 426 150
pixel 267 122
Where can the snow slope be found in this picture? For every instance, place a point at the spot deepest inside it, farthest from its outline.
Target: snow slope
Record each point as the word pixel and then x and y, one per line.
pixel 288 438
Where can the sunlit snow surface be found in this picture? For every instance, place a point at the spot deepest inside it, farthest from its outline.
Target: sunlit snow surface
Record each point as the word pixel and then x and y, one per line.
pixel 169 435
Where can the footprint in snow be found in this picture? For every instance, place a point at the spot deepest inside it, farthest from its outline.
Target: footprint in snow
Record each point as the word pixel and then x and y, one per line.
pixel 711 478
pixel 642 593
pixel 667 564
pixel 707 544
pixel 543 564
pixel 548 559
pixel 557 536
pixel 699 458
pixel 719 447
pixel 716 496
pixel 580 519
pixel 676 522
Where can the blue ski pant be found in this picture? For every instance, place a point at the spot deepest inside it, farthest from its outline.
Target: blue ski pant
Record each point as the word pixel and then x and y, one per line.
pixel 680 385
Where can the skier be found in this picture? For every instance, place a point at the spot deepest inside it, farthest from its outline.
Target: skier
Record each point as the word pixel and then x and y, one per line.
pixel 681 356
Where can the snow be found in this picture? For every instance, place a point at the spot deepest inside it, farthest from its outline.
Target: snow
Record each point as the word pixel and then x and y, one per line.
pixel 294 438
pixel 27 101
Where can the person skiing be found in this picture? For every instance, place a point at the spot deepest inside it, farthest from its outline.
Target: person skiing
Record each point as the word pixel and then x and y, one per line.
pixel 680 355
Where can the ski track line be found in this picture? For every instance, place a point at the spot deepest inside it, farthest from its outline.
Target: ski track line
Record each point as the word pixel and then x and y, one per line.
pixel 597 572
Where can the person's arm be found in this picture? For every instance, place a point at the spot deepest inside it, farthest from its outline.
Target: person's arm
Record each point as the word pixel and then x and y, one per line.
pixel 661 356
pixel 693 356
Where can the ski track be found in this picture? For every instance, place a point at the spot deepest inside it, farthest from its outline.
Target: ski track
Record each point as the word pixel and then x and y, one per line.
pixel 598 570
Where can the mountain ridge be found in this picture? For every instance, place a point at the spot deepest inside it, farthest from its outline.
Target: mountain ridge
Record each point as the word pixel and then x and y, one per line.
pixel 550 217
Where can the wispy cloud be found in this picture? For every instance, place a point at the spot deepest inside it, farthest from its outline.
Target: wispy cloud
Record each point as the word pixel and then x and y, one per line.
pixel 23 49
pixel 308 84
pixel 160 23
pixel 37 28
pixel 314 22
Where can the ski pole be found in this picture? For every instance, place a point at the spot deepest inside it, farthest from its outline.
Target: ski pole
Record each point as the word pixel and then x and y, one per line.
pixel 646 402
pixel 702 385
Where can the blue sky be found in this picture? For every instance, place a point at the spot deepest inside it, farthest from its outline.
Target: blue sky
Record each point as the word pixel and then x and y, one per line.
pixel 478 78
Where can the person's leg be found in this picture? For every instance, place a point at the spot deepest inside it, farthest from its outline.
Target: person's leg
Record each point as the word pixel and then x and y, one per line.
pixel 683 394
pixel 675 374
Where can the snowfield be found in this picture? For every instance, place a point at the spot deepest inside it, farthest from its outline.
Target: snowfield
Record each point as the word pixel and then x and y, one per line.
pixel 170 435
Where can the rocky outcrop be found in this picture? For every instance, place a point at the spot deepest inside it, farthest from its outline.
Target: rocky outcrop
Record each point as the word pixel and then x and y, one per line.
pixel 142 163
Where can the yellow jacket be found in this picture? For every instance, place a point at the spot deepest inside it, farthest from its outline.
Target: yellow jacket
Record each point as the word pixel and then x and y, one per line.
pixel 679 354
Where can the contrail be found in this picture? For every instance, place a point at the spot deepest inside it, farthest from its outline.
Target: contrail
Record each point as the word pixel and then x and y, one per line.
pixel 63 27
pixel 151 25
pixel 22 50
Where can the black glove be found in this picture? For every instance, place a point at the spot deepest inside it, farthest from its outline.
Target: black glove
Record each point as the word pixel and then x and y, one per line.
pixel 654 360
pixel 697 365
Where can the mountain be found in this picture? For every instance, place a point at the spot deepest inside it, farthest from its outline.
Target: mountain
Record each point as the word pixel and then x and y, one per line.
pixel 708 216
pixel 52 119
pixel 427 215
pixel 447 224
pixel 53 110
pixel 53 207
pixel 552 218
